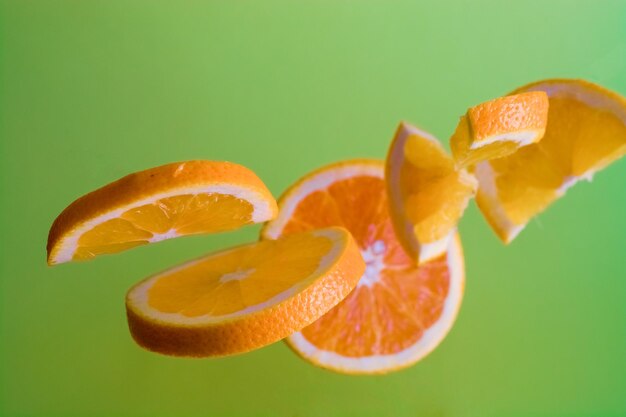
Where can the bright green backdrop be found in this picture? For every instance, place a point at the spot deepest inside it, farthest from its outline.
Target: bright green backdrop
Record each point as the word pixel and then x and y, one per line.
pixel 92 90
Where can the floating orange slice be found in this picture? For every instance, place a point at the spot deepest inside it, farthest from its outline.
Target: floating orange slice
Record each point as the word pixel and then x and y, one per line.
pixel 246 297
pixel 427 193
pixel 399 312
pixel 160 203
pixel 586 131
pixel 500 127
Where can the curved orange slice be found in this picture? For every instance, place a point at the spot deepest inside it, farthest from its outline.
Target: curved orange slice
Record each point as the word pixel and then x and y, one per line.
pixel 427 193
pixel 246 297
pixel 586 132
pixel 399 312
pixel 500 127
pixel 159 203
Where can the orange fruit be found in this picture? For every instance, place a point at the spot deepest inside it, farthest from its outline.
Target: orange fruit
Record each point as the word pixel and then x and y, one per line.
pixel 499 127
pixel 246 297
pixel 427 193
pixel 159 203
pixel 586 131
pixel 398 312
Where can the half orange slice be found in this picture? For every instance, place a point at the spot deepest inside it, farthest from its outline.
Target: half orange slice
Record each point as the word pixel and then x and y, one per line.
pixel 244 298
pixel 399 311
pixel 159 203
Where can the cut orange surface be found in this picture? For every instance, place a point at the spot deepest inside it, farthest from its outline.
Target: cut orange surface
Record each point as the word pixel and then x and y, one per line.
pixel 244 298
pixel 499 127
pixel 160 203
pixel 586 131
pixel 399 312
pixel 427 193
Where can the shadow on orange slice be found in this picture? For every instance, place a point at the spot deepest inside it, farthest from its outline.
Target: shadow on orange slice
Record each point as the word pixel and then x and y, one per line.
pixel 159 203
pixel 427 193
pixel 586 131
pixel 244 298
pixel 398 312
pixel 500 127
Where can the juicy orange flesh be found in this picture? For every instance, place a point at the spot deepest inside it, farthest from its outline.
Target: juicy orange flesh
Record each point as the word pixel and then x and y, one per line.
pixel 182 215
pixel 434 193
pixel 387 317
pixel 394 312
pixel 464 156
pixel 234 280
pixel 579 140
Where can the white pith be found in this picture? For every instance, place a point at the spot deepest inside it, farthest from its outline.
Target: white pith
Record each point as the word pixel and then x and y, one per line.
pixel 374 257
pixel 430 339
pixel 521 138
pixel 64 250
pixel 138 296
pixel 157 237
pixel 431 250
pixel 237 275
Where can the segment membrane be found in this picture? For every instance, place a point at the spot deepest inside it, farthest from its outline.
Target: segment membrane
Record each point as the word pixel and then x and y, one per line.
pixel 165 218
pixel 263 271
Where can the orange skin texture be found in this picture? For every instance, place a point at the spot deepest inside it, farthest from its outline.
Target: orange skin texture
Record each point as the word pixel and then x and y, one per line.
pixel 252 331
pixel 476 136
pixel 143 184
pixel 519 112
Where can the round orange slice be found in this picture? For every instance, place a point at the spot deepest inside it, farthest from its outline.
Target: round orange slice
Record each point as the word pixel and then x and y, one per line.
pixel 586 131
pixel 244 298
pixel 427 193
pixel 500 127
pixel 159 203
pixel 398 312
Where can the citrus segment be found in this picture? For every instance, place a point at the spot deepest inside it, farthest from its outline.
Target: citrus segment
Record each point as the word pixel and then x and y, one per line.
pixel 159 203
pixel 246 297
pixel 427 194
pixel 499 127
pixel 586 131
pixel 398 312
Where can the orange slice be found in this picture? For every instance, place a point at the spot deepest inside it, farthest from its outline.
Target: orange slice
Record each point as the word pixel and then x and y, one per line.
pixel 159 203
pixel 427 194
pixel 244 298
pixel 500 127
pixel 586 132
pixel 398 312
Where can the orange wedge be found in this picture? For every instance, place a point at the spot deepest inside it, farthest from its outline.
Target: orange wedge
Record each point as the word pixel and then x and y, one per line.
pixel 244 298
pixel 586 131
pixel 398 312
pixel 427 193
pixel 160 203
pixel 500 127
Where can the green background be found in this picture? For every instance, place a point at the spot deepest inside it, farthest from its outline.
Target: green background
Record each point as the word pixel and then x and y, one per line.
pixel 93 90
